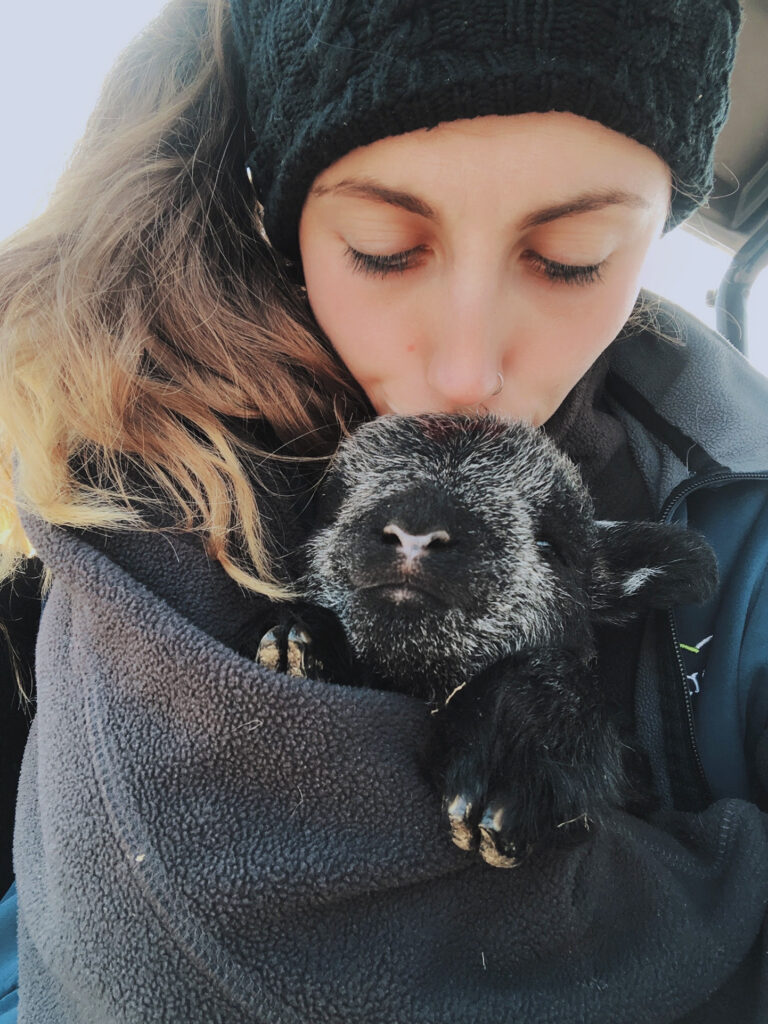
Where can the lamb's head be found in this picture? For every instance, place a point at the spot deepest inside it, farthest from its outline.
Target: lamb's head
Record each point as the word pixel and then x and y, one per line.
pixel 444 543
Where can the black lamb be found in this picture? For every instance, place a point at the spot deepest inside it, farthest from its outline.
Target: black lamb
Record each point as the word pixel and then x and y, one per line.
pixel 458 560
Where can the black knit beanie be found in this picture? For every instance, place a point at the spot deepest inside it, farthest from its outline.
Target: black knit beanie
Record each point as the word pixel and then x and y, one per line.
pixel 326 76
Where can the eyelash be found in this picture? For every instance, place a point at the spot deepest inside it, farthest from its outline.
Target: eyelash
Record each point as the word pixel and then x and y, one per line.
pixel 397 263
pixel 380 266
pixel 566 272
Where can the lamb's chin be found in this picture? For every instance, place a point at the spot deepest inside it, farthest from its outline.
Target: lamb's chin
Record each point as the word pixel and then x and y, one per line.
pixel 410 642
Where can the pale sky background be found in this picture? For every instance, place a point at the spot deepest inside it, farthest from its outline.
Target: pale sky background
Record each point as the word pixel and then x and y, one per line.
pixel 53 59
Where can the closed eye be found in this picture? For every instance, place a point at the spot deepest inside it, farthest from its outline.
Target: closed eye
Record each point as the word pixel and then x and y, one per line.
pixel 550 552
pixel 380 265
pixel 569 273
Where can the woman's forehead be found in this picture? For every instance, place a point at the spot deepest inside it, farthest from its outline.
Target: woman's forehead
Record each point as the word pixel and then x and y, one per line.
pixel 528 152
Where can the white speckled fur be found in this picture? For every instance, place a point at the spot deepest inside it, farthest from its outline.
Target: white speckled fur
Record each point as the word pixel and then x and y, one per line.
pixel 505 474
pixel 637 580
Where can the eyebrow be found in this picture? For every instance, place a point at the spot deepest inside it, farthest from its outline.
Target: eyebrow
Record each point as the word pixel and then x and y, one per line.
pixel 585 202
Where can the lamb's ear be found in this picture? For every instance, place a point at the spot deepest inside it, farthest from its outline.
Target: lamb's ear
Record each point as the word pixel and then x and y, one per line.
pixel 649 565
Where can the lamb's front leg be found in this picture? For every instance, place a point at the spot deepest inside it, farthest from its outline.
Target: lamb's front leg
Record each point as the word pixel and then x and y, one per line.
pixel 528 757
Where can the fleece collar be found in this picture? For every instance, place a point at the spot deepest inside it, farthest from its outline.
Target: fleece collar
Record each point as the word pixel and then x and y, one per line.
pixel 700 384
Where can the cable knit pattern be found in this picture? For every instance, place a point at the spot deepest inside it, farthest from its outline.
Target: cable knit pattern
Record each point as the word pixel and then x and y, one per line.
pixel 324 78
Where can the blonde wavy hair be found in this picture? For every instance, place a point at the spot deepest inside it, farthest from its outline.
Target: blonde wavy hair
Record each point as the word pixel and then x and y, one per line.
pixel 143 311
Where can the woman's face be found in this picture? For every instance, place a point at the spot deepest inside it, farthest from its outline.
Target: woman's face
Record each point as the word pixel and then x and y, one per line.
pixel 436 259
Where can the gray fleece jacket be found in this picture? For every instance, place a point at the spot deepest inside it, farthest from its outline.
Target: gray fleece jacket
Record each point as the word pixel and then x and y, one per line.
pixel 202 840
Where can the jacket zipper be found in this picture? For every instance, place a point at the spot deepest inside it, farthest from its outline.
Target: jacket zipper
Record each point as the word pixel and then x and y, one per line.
pixel 681 492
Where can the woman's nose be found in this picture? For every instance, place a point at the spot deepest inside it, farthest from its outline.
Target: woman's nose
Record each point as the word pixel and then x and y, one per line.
pixel 467 353
pixel 462 383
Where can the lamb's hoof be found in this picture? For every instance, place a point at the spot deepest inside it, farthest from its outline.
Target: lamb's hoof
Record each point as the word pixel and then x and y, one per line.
pixel 485 835
pixel 268 653
pixel 288 651
pixel 299 660
pixel 495 849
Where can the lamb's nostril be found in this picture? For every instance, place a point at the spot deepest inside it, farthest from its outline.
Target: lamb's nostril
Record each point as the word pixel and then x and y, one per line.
pixel 414 544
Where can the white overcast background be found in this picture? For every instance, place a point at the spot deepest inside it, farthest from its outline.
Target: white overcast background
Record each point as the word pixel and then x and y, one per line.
pixel 53 59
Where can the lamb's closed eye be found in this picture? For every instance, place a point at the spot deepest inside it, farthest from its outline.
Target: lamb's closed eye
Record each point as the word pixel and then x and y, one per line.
pixel 551 551
pixel 463 565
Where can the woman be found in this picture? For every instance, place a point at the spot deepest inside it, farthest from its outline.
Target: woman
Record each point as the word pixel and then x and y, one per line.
pixel 456 205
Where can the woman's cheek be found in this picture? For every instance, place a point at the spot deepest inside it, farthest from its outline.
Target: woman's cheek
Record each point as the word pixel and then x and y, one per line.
pixel 560 344
pixel 594 316
pixel 372 337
